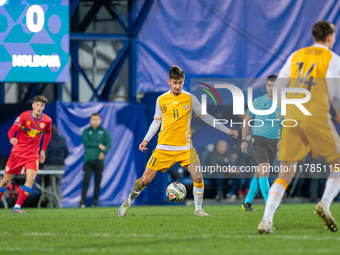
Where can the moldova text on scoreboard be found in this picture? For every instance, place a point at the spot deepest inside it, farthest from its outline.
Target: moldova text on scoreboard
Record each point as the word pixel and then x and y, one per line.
pixel 34 40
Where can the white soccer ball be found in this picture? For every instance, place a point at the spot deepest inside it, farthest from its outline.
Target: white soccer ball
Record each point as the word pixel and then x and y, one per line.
pixel 176 192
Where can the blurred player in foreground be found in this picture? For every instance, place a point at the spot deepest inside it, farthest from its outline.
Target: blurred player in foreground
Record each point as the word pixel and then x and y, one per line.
pixel 307 68
pixel 174 110
pixel 31 126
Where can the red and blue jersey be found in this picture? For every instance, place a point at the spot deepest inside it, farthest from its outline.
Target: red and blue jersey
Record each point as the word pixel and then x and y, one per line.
pixel 30 133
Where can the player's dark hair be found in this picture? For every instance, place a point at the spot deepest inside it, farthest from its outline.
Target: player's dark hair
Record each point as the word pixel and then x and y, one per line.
pixel 271 77
pixel 176 73
pixel 40 98
pixel 95 114
pixel 322 29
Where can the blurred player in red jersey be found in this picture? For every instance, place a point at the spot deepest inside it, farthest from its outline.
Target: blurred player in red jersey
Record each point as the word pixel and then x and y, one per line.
pixel 26 145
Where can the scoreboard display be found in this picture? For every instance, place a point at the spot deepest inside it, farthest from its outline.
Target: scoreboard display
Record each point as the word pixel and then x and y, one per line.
pixel 34 40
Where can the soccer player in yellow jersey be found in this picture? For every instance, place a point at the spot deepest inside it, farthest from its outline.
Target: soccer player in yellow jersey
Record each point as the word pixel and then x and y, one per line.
pixel 317 69
pixel 174 110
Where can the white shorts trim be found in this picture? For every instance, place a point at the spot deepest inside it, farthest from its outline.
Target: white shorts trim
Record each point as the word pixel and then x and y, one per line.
pixel 173 148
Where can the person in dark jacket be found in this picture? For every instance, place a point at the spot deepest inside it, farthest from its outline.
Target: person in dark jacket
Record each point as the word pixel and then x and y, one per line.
pixel 220 156
pixel 97 143
pixel 56 152
pixel 243 159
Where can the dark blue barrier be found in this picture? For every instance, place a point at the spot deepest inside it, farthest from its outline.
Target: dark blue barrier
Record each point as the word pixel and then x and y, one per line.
pixel 156 189
pixel 123 164
pixel 9 112
pixel 127 124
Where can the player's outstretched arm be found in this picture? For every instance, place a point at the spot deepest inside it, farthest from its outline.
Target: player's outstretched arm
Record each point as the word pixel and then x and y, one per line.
pixel 245 128
pixel 143 145
pixel 233 133
pixel 13 141
pixel 333 84
pixel 151 132
pixel 153 127
pixel 11 134
pixel 47 138
pixel 42 156
pixel 210 120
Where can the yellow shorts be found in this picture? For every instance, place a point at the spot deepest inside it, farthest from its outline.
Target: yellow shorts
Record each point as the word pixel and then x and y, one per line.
pixel 162 160
pixel 322 138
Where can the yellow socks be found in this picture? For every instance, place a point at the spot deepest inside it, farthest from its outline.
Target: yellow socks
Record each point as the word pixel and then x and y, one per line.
pixel 137 189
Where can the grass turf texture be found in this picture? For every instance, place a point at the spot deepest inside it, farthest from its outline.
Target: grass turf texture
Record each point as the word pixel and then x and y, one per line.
pixel 166 230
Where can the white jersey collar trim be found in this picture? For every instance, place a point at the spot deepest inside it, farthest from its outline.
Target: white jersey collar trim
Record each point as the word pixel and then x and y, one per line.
pixel 321 46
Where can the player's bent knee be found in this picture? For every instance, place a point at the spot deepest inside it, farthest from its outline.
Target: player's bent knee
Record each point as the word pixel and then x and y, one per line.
pixel 29 183
pixel 145 180
pixel 198 180
pixel 5 180
pixel 196 175
pixel 30 180
pixel 4 183
pixel 148 176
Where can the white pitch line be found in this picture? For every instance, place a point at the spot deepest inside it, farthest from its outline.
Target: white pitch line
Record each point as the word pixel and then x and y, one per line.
pixel 238 236
pixel 40 234
pixel 148 250
pixel 28 249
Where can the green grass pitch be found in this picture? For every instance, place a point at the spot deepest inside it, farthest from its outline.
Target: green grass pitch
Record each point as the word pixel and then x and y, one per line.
pixel 166 230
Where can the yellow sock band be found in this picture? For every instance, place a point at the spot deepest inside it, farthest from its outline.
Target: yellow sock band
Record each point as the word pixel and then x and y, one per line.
pixel 282 182
pixel 138 185
pixel 199 185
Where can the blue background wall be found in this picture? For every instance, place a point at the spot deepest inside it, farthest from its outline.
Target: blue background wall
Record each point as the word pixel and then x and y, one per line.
pixel 226 38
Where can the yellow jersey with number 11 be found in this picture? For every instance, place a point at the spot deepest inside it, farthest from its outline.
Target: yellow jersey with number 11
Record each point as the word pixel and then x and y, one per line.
pixel 175 113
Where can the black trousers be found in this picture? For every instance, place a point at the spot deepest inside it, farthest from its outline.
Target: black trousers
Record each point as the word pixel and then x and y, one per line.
pixel 264 149
pixel 97 167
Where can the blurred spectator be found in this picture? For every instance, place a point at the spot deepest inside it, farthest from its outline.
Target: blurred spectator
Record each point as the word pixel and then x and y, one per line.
pixel 243 159
pixel 97 143
pixel 176 172
pixel 56 153
pixel 316 182
pixel 220 156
